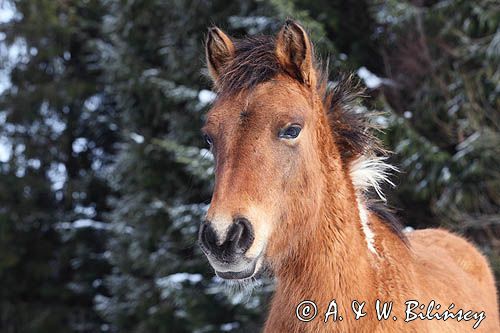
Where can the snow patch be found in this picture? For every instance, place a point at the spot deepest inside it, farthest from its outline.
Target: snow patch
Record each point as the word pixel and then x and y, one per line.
pixel 84 223
pixel 206 97
pixel 5 149
pixel 408 229
pixel 79 145
pixel 57 175
pixel 7 12
pixel 174 281
pixel 371 80
pixel 137 138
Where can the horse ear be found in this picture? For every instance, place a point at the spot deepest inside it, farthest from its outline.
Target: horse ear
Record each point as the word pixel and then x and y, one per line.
pixel 295 52
pixel 219 51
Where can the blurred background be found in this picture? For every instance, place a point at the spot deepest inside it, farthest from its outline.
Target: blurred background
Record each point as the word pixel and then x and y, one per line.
pixel 104 174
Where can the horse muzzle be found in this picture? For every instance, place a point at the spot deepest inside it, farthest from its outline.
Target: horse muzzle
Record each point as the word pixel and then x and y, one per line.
pixel 227 256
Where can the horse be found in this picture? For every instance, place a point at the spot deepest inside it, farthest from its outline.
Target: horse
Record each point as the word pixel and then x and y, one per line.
pixel 296 173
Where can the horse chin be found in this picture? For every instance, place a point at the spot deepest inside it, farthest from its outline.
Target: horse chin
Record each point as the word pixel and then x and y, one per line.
pixel 249 272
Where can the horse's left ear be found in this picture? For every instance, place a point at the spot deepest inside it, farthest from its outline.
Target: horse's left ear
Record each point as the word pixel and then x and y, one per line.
pixel 295 53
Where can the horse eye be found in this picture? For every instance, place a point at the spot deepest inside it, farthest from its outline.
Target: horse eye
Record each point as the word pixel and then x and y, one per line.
pixel 208 139
pixel 290 132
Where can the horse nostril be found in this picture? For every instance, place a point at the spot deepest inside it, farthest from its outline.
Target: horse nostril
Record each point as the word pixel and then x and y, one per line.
pixel 207 237
pixel 238 240
pixel 243 236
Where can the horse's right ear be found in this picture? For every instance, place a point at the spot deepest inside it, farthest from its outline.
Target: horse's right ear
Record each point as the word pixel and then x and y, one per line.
pixel 219 51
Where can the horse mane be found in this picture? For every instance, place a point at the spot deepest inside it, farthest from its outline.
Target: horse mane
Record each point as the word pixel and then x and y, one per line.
pixel 255 62
pixel 361 151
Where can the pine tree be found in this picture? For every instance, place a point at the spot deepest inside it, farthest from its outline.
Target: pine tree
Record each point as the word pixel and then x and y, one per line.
pixel 57 135
pixel 443 60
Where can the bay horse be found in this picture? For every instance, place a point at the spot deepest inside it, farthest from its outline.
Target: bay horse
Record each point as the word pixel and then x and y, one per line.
pixel 294 169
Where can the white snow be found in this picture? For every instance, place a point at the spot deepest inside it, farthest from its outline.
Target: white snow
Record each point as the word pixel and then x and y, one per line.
pixel 93 224
pixel 79 145
pixel 5 149
pixel 7 12
pixel 253 24
pixel 408 229
pixel 229 326
pixel 180 278
pixel 58 175
pixel 371 80
pixel 84 223
pixel 408 114
pixel 92 103
pixel 34 163
pixel 137 138
pixel 174 281
pixel 206 97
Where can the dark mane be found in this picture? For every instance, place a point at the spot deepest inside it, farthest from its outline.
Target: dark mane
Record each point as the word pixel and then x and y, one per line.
pixel 352 127
pixel 386 214
pixel 255 62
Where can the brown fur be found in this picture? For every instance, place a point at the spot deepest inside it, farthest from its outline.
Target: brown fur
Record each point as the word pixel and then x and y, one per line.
pixel 302 204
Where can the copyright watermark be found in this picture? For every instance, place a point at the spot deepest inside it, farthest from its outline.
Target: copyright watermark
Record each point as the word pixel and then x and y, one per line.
pixel 306 311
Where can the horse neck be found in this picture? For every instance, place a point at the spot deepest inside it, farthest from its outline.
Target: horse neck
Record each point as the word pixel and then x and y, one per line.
pixel 333 260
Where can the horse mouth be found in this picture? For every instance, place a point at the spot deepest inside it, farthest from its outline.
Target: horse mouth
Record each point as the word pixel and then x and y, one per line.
pixel 247 273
